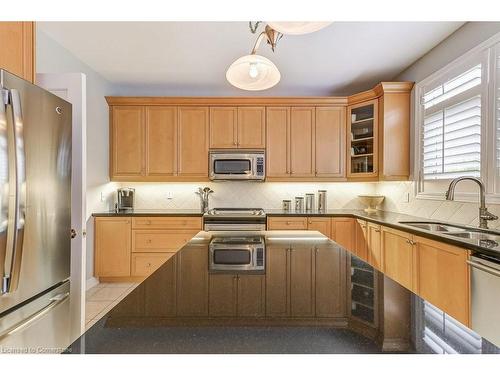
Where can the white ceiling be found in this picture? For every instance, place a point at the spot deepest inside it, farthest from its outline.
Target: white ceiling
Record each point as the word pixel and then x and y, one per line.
pixel 191 58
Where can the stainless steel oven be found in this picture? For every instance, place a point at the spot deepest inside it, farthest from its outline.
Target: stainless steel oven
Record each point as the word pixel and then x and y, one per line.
pixel 234 219
pixel 237 253
pixel 237 165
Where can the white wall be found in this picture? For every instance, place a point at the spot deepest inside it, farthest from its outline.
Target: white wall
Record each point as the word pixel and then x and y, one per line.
pixel 53 58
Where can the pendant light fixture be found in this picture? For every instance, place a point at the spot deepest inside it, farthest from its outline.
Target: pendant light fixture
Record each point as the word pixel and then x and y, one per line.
pixel 297 28
pixel 255 72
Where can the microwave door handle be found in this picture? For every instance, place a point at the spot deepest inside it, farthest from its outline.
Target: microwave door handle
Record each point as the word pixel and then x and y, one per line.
pixel 17 200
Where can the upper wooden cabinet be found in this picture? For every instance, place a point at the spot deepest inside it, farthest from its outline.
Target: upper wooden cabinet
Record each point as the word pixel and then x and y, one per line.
pixel 242 127
pixel 158 143
pixel 17 40
pixel 193 142
pixel 330 141
pixel 302 145
pixel 278 142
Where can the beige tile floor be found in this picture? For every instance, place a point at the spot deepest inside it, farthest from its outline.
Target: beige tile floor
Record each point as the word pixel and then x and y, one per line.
pixel 102 298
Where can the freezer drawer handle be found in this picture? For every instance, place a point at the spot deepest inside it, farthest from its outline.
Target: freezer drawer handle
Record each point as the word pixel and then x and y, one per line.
pixel 484 268
pixel 54 302
pixel 17 201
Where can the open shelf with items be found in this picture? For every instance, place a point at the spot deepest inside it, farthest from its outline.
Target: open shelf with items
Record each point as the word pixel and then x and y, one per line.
pixel 362 140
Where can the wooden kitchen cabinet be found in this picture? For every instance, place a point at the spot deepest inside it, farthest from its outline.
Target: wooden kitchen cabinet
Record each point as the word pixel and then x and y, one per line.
pixel 343 232
pixel 361 239
pixel 329 283
pixel 161 141
pixel 398 256
pixel 193 142
pixel 301 281
pixel 192 282
pixel 237 127
pixel 223 127
pixel 112 246
pixel 278 142
pixel 144 264
pixel 17 40
pixel 277 273
pixel 287 223
pixel 222 295
pixel 251 127
pixel 443 277
pixel 321 224
pixel 374 246
pixel 330 142
pixel 251 292
pixel 302 142
pixel 127 152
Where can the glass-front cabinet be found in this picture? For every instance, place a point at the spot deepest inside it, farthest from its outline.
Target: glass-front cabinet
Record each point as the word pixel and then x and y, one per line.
pixel 362 138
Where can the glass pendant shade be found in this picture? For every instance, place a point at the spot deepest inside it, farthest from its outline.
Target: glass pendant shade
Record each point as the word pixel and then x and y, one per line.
pixel 297 28
pixel 253 72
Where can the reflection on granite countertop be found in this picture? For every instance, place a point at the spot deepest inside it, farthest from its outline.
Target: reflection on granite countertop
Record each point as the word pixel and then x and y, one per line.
pixel 313 297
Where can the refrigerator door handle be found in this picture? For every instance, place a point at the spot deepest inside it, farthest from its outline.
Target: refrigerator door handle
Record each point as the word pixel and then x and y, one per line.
pixel 4 178
pixel 17 201
pixel 25 323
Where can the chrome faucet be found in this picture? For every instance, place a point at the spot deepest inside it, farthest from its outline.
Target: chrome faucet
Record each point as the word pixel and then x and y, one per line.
pixel 484 214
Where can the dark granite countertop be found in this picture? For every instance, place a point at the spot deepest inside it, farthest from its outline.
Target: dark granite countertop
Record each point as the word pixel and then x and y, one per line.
pixel 312 297
pixel 390 219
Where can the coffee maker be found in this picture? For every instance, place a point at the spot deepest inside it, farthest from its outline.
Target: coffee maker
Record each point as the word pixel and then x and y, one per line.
pixel 125 199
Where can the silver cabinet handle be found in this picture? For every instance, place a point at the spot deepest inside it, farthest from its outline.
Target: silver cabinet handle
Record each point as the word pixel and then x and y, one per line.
pixel 484 268
pixel 17 201
pixel 54 301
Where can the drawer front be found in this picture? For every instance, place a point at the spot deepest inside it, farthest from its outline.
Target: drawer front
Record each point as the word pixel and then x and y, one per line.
pixel 284 223
pixel 145 264
pixel 160 241
pixel 171 222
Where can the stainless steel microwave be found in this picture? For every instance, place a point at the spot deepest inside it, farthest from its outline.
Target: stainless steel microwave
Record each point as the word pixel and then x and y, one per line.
pixel 237 165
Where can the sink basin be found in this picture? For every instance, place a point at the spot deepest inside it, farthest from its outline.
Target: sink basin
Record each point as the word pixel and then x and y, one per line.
pixel 475 236
pixel 433 226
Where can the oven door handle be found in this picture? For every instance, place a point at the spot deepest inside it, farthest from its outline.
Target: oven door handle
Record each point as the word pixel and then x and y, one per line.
pixel 482 267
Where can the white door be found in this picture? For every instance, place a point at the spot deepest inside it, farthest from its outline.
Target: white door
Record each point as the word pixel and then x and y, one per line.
pixel 72 88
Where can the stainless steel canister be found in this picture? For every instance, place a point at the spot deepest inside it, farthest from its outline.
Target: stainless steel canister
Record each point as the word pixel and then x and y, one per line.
pixel 309 202
pixel 321 200
pixel 299 204
pixel 287 205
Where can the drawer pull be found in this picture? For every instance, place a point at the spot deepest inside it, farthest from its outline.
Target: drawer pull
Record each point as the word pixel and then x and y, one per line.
pixel 148 264
pixel 149 240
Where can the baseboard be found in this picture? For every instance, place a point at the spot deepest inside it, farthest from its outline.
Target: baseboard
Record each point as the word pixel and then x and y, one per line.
pixel 90 283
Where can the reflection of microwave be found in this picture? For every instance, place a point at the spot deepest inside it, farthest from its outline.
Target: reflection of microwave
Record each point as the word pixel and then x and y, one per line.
pixel 237 254
pixel 237 165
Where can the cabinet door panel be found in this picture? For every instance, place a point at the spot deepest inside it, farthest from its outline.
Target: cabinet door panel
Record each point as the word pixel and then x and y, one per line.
pixel 251 127
pixel 127 147
pixel 222 292
pixel 330 141
pixel 192 282
pixel 443 277
pixel 251 290
pixel 302 150
pixel 321 224
pixel 163 303
pixel 161 141
pixel 301 282
pixel 374 248
pixel 343 232
pixel 112 247
pixel 17 40
pixel 223 127
pixel 398 256
pixel 278 134
pixel 193 142
pixel 329 283
pixel 361 240
pixel 144 264
pixel 277 264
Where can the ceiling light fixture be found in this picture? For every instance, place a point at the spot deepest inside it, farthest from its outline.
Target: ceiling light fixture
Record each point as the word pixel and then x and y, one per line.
pixel 255 72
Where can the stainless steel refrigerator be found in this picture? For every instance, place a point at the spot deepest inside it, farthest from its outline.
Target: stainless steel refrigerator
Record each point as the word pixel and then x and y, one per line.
pixel 35 217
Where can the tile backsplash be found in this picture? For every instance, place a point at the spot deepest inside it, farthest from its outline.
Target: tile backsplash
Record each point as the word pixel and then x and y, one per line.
pixel 339 195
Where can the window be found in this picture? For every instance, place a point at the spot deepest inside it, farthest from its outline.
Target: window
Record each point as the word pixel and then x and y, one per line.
pixel 457 124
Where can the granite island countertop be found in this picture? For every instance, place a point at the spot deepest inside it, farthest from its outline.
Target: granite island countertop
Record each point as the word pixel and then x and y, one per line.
pixel 386 218
pixel 312 297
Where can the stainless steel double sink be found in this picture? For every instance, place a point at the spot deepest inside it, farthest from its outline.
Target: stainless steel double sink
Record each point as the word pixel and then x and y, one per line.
pixel 480 237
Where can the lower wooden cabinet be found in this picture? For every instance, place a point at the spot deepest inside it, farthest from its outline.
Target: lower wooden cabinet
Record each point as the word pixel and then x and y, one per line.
pixel 443 277
pixel 320 224
pixel 301 281
pixel 374 246
pixel 145 264
pixel 361 239
pixel 112 246
pixel 329 283
pixel 287 223
pixel 398 256
pixel 236 295
pixel 343 232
